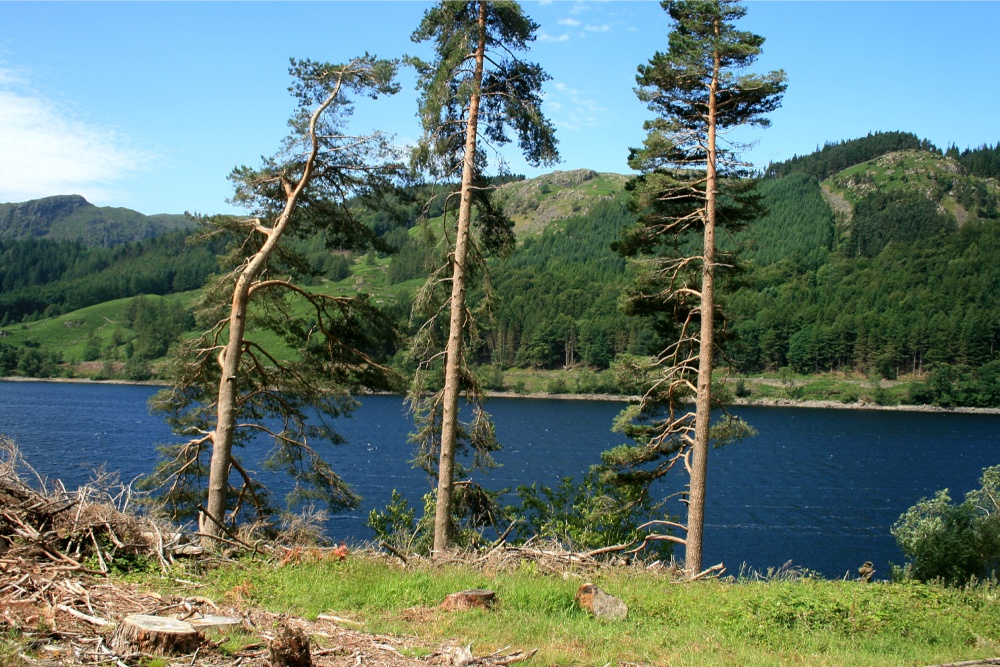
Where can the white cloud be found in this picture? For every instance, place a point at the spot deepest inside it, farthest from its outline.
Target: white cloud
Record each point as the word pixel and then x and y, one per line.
pixel 546 37
pixel 9 77
pixel 573 23
pixel 604 27
pixel 572 109
pixel 47 151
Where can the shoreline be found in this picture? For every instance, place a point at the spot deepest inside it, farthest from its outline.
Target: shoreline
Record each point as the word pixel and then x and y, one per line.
pixel 751 402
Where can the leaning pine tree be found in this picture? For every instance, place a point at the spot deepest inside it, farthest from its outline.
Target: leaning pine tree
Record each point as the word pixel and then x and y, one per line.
pixel 690 187
pixel 476 88
pixel 231 383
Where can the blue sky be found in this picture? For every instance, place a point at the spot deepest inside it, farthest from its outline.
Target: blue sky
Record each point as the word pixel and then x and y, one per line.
pixel 150 105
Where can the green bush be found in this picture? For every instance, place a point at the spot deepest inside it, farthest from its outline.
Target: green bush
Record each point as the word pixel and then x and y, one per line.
pixel 953 542
pixel 587 514
pixel 742 390
pixel 556 386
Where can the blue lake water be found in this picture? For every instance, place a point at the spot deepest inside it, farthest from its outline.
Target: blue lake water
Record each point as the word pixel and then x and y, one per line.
pixel 818 487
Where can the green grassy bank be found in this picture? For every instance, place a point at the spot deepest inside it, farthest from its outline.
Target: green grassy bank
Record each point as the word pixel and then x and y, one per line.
pixel 737 622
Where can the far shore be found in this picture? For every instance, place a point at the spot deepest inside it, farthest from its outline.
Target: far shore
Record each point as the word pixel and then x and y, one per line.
pixel 755 402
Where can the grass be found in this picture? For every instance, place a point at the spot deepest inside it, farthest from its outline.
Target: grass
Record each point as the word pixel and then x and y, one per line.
pixel 747 623
pixel 68 333
pixel 835 387
pixel 543 381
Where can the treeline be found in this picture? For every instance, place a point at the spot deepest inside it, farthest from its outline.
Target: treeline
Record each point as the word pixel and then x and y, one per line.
pixel 834 157
pixel 881 217
pixel 983 161
pixel 837 156
pixel 901 289
pixel 44 278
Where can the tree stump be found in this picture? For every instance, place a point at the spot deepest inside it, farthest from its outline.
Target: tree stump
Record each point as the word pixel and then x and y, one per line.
pixel 289 648
pixel 211 621
pixel 476 598
pixel 157 635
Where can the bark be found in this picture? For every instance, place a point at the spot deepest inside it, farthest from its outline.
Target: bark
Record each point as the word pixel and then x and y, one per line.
pixel 229 358
pixel 443 525
pixel 703 405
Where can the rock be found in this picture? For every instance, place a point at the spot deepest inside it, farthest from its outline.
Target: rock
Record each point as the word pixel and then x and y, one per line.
pixel 476 598
pixel 601 604
pixel 460 656
pixel 157 635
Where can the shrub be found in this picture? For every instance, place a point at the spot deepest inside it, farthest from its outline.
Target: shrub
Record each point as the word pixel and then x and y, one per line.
pixel 556 386
pixel 742 390
pixel 953 542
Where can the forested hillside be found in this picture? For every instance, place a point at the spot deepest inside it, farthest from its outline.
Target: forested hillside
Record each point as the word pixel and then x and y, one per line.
pixel 875 256
pixel 44 278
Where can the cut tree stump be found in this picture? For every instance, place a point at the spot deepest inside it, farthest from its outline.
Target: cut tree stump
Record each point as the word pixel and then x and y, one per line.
pixel 211 621
pixel 475 598
pixel 157 635
pixel 289 648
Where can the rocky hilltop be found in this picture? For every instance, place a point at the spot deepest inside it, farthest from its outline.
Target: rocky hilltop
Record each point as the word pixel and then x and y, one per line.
pixel 71 217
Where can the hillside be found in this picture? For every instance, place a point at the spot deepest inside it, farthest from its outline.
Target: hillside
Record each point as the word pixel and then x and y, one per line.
pixel 73 218
pixel 882 266
pixel 536 202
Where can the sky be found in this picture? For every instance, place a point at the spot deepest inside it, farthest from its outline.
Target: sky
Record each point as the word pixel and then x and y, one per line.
pixel 150 105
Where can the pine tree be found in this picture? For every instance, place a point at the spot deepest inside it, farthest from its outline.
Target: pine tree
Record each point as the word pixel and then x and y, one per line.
pixel 227 383
pixel 475 88
pixel 689 189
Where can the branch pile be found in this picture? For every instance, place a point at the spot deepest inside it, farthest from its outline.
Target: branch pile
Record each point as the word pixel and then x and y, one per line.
pixel 51 532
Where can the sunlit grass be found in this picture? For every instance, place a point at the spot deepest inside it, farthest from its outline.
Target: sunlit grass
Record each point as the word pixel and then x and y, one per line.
pixel 807 622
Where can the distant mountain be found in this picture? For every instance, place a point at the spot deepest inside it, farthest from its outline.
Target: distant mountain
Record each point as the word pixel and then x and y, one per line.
pixel 71 218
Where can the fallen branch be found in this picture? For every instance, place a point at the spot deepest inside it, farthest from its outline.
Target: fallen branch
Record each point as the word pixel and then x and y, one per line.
pixel 393 551
pixel 93 620
pixel 717 569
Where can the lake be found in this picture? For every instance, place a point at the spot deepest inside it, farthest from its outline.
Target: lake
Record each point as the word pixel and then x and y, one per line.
pixel 818 487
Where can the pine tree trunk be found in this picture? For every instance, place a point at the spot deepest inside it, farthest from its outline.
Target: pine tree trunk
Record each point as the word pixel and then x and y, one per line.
pixel 229 358
pixel 453 354
pixel 222 437
pixel 703 404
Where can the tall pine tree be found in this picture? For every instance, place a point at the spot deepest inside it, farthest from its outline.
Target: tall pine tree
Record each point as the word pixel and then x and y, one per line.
pixel 476 88
pixel 689 189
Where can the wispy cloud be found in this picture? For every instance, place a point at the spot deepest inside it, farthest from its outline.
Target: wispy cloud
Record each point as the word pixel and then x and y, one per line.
pixel 573 23
pixel 604 27
pixel 546 37
pixel 47 150
pixel 572 109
